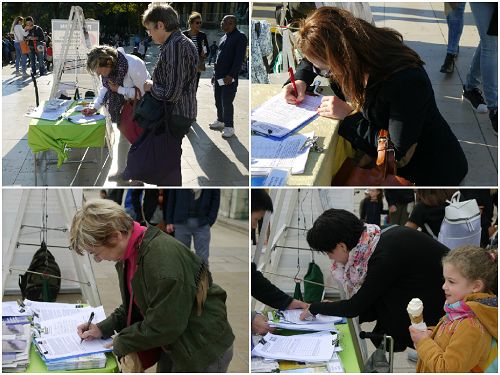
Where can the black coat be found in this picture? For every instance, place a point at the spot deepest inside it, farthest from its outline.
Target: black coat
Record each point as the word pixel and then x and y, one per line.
pixel 405 105
pixel 405 264
pixel 267 293
pixel 201 40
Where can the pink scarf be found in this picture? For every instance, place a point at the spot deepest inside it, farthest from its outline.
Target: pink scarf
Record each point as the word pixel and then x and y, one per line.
pixel 353 273
pixel 457 311
pixel 130 256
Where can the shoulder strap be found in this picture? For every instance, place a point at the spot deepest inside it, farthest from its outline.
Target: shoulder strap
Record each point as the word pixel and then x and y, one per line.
pixel 429 230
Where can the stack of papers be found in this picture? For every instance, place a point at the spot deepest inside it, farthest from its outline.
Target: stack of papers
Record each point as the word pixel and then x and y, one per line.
pixel 51 110
pixel 287 154
pixel 290 319
pixel 82 119
pixel 276 118
pixel 57 340
pixel 16 338
pixel 303 348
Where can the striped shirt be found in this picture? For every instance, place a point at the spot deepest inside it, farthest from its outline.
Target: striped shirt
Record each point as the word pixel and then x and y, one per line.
pixel 174 76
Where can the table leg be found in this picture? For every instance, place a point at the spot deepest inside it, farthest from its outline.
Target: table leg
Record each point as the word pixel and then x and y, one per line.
pixel 35 166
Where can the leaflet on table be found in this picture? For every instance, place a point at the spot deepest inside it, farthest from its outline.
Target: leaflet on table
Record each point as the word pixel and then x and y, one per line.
pixel 12 308
pixel 276 118
pixel 293 316
pixel 285 154
pixel 48 111
pixel 296 348
pixel 82 119
pixel 15 347
pixel 277 177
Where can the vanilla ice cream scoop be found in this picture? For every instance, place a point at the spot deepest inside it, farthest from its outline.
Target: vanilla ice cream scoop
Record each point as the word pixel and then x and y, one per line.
pixel 415 307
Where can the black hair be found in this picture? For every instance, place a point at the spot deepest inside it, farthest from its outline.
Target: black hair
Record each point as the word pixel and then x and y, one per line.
pixel 333 227
pixel 29 19
pixel 261 201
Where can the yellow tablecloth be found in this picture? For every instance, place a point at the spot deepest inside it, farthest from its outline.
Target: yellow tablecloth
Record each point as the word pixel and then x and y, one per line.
pixel 320 167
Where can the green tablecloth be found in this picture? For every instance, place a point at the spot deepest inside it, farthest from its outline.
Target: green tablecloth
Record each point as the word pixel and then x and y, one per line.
pixel 348 353
pixel 44 135
pixel 37 364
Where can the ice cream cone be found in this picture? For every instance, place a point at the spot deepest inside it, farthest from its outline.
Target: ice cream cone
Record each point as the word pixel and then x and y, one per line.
pixel 416 319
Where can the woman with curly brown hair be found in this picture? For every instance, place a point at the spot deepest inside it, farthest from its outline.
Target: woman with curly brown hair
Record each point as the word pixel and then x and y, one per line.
pixel 379 83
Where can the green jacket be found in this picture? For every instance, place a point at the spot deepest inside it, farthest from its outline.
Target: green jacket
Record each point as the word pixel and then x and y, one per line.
pixel 164 288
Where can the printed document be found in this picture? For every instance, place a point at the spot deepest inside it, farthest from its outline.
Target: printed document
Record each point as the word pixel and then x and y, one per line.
pixel 287 153
pixel 277 118
pixel 296 348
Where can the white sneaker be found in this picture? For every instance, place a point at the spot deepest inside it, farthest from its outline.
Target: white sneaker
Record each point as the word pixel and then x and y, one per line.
pixel 228 132
pixel 216 125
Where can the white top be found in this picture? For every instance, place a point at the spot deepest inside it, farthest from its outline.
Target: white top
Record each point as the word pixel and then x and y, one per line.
pixel 19 33
pixel 135 77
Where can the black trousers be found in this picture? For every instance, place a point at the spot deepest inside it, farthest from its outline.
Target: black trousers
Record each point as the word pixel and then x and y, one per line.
pixel 224 97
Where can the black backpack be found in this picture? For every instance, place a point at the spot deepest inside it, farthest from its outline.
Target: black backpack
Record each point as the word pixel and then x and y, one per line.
pixel 37 287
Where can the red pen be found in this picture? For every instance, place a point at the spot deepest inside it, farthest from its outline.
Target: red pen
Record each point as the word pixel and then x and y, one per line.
pixel 292 79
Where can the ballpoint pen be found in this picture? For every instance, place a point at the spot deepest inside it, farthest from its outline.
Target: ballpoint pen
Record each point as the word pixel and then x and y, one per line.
pixel 292 79
pixel 88 324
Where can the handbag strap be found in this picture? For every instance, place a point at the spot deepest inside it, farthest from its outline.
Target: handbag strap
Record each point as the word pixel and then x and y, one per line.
pixel 386 159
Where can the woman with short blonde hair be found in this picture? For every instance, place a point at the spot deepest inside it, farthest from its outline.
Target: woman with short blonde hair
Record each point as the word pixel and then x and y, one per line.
pixel 159 277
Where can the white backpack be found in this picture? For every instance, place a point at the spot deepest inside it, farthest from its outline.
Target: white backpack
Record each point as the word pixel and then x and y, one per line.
pixel 461 224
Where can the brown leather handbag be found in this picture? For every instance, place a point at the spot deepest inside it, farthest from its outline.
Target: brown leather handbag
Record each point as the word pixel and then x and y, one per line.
pixel 384 173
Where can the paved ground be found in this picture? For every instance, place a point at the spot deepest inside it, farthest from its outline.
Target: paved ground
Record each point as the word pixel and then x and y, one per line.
pixel 423 26
pixel 207 159
pixel 229 265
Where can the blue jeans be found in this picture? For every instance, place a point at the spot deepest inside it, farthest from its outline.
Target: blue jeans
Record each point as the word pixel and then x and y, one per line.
pixel 41 63
pixel 224 97
pixel 200 235
pixel 455 20
pixel 20 57
pixel 484 65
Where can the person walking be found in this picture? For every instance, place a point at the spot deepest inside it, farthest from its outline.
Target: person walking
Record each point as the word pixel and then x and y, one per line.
pixel 484 65
pixel 455 20
pixel 231 53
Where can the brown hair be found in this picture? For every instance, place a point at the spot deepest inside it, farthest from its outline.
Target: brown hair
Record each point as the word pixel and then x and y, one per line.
pixel 434 197
pixel 475 263
pixel 161 12
pixel 101 56
pixel 353 48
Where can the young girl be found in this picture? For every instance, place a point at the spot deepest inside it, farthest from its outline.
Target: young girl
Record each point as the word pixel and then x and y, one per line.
pixel 465 339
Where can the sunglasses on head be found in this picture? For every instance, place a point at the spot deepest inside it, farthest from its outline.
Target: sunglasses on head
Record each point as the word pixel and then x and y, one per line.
pixel 321 72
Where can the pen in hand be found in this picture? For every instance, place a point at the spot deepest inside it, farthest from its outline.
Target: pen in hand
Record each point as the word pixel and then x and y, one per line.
pixel 88 324
pixel 292 80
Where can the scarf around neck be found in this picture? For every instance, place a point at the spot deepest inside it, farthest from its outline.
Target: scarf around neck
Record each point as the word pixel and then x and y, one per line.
pixel 456 311
pixel 130 256
pixel 114 100
pixel 353 273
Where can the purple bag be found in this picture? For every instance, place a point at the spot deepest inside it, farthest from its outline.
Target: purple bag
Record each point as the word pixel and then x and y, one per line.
pixel 155 159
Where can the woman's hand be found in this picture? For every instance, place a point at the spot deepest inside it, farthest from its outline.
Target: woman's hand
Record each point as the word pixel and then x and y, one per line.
pixel 170 228
pixel 88 111
pixel 296 304
pixel 333 107
pixel 289 92
pixel 94 332
pixel 148 84
pixel 418 335
pixel 260 325
pixel 113 86
pixel 306 314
